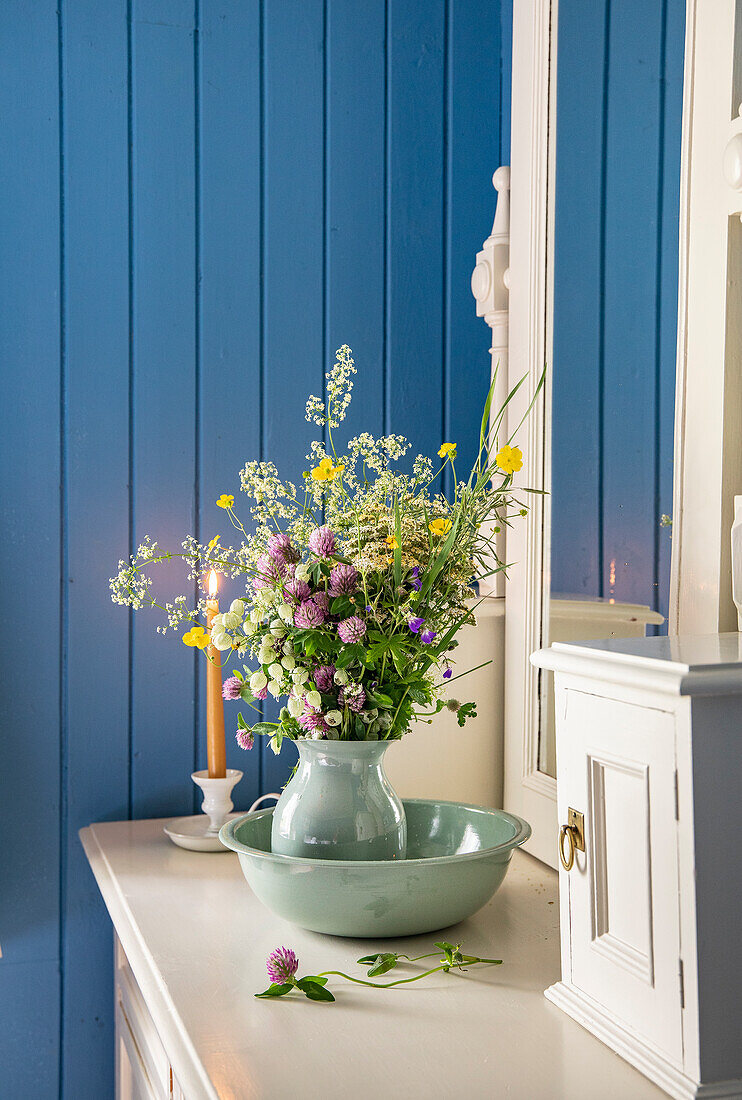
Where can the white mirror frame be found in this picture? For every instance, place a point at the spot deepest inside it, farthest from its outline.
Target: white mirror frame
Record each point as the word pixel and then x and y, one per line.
pixel 708 423
pixel 529 791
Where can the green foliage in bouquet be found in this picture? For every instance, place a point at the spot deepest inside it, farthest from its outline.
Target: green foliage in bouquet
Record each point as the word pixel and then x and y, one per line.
pixel 356 584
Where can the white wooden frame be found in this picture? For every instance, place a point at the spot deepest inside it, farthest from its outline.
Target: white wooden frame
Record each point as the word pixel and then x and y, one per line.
pixel 708 424
pixel 529 791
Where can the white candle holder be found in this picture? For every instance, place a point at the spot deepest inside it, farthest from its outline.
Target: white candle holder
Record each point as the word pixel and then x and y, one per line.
pixel 217 803
pixel 200 833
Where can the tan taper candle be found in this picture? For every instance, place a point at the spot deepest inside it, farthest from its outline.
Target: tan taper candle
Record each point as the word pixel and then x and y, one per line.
pixel 215 747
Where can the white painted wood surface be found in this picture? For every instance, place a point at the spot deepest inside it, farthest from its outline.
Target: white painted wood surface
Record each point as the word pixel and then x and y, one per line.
pixel 647 751
pixel 196 940
pixel 708 420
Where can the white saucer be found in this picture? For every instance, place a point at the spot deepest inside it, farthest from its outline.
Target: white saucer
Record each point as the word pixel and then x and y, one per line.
pixel 190 832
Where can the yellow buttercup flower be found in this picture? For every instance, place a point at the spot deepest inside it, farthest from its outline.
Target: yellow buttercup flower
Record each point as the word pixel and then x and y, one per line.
pixel 326 471
pixel 440 526
pixel 196 636
pixel 509 459
pixel 448 450
pixel 391 542
pixel 225 501
pixel 213 542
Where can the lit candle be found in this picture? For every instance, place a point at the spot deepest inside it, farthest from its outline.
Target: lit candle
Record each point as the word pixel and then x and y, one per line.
pixel 215 746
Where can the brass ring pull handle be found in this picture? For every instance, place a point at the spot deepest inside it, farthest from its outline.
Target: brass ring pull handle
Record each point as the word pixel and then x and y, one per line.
pixel 571 837
pixel 567 833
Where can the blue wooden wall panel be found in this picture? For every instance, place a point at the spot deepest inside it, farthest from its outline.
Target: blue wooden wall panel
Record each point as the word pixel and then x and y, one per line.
pixel 615 309
pixel 164 386
pixel 473 148
pixel 294 252
pixel 229 302
pixel 416 203
pixel 30 511
pixel 96 322
pixel 578 296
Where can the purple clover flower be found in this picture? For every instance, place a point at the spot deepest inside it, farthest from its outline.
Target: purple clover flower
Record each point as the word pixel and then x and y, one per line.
pixel 312 721
pixel 416 582
pixel 427 636
pixel 281 965
pixel 415 625
pixel 262 694
pixel 245 739
pixel 323 602
pixel 353 697
pixel 269 572
pixel 351 630
pixel 322 542
pixel 297 590
pixel 323 678
pixel 281 550
pixel 232 688
pixel 344 580
pixel 309 614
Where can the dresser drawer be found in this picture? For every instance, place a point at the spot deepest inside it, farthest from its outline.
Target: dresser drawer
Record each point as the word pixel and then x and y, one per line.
pixel 138 1030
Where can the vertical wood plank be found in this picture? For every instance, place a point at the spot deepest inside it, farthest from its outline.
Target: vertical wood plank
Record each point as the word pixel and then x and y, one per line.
pixel 97 355
pixel 632 179
pixel 578 285
pixel 164 283
pixel 30 513
pixel 416 203
pixel 355 202
pixel 473 152
pixel 294 256
pixel 230 295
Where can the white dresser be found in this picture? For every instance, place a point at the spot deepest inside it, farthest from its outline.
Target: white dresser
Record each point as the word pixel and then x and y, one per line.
pixel 649 780
pixel 192 943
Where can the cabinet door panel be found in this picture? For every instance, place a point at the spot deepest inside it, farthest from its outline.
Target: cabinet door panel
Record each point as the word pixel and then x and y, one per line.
pixel 616 765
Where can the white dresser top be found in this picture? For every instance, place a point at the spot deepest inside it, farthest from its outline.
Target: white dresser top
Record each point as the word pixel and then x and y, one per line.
pixel 691 664
pixel 196 939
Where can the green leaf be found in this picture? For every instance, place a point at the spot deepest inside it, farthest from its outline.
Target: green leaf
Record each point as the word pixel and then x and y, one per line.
pixel 419 693
pixel 367 959
pixel 379 699
pixel 275 990
pixel 341 605
pixel 383 963
pixel 263 729
pixel 241 723
pixel 313 990
pixel 314 978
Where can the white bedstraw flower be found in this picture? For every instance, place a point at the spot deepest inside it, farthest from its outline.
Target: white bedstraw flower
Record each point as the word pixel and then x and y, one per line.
pixel 333 718
pixel 278 630
pixel 275 671
pixel 230 620
pixel 258 681
pixel 250 627
pixel 266 597
pixel 296 706
pixel 237 607
pixel 274 687
pixel 288 662
pixel 314 699
pixel 222 642
pixel 302 573
pixel 300 675
pixel 341 676
pixel 256 616
pixel 266 641
pixel 286 612
pixel 218 620
pixel 267 656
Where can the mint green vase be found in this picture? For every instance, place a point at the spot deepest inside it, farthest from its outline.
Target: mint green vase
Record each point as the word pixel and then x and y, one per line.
pixel 339 804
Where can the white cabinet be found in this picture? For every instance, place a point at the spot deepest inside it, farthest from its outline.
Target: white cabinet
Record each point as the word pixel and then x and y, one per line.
pixel 649 792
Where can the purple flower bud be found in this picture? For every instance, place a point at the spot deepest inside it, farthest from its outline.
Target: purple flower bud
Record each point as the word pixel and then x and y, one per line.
pixel 309 614
pixel 281 550
pixel 415 625
pixel 281 965
pixel 416 582
pixel 344 580
pixel 448 674
pixel 351 630
pixel 245 739
pixel 232 688
pixel 322 542
pixel 427 636
pixel 323 678
pixel 297 590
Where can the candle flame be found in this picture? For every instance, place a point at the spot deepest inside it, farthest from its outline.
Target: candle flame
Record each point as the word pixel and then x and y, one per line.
pixel 213 583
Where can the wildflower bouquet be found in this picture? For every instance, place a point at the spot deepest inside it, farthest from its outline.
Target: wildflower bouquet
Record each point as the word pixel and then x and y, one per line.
pixel 356 584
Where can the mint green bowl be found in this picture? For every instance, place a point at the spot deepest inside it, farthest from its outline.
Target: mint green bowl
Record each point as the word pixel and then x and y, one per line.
pixel 457 856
